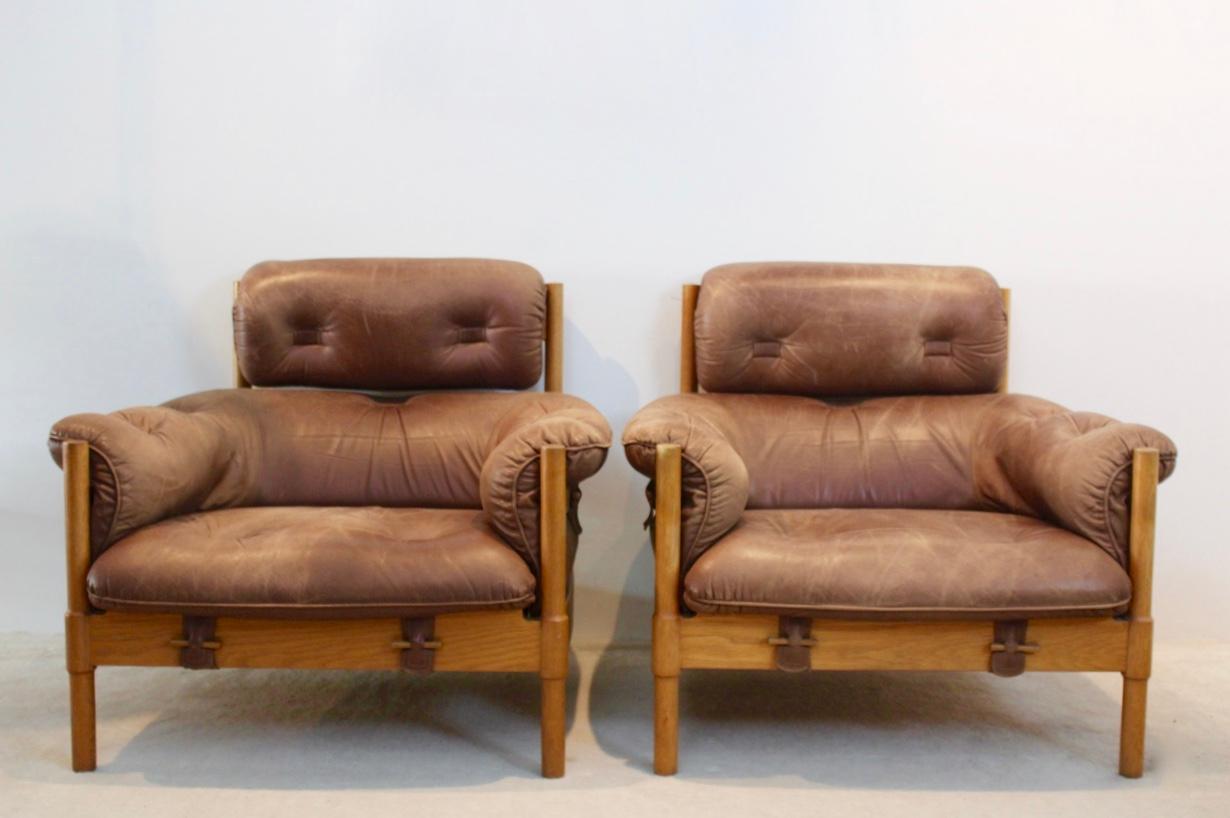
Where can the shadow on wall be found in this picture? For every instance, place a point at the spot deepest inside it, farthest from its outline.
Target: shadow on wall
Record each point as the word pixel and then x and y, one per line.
pixel 608 563
pixel 634 601
pixel 91 326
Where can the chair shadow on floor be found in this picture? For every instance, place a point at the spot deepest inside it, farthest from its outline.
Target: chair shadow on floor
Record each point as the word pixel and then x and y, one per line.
pixel 278 729
pixel 903 730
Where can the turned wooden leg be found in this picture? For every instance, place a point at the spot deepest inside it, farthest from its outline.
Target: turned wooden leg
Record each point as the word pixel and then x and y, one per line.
pixel 553 556
pixel 666 663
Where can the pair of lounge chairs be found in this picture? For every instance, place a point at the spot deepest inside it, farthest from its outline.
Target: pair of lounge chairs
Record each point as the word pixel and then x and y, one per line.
pixel 844 483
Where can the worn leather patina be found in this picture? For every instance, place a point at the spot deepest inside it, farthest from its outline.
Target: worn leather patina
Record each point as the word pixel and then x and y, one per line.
pixel 391 324
pixel 313 562
pixel 307 502
pixel 1010 453
pixel 863 497
pixel 904 564
pixel 849 329
pixel 255 447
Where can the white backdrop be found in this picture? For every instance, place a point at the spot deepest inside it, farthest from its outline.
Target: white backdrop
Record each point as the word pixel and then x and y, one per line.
pixel 149 153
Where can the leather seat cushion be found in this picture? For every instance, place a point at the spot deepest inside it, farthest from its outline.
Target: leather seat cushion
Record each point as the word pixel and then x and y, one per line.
pixel 313 562
pixel 904 564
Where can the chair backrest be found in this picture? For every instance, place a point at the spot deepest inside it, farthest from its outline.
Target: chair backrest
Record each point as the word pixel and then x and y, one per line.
pixel 397 324
pixel 839 330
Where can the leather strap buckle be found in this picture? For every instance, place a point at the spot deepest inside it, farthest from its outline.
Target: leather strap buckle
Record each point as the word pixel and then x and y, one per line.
pixel 197 647
pixel 1009 648
pixel 792 647
pixel 418 645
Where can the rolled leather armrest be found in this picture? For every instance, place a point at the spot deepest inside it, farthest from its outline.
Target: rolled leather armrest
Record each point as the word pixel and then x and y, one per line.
pixel 1073 469
pixel 509 485
pixel 150 463
pixel 289 447
pixel 715 478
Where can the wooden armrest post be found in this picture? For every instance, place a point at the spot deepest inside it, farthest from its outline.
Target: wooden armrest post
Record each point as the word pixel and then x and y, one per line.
pixel 75 456
pixel 1138 665
pixel 666 664
pixel 553 558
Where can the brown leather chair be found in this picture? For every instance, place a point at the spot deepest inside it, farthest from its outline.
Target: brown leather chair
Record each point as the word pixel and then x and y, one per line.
pixel 321 526
pixel 855 489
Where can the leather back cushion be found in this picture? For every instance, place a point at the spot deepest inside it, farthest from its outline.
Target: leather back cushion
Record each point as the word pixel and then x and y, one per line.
pixel 849 329
pixel 391 324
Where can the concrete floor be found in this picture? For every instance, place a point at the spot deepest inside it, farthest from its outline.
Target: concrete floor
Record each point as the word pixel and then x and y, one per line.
pixel 181 743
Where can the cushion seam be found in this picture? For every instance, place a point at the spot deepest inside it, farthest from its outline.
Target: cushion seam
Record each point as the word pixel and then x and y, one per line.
pixel 880 609
pixel 527 598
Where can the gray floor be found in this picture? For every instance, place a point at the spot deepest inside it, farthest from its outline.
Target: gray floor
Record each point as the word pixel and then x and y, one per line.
pixel 175 742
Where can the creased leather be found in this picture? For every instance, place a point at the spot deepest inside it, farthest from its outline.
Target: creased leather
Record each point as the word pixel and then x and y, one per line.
pixel 1009 453
pixel 391 324
pixel 849 329
pixel 904 563
pixel 714 478
pixel 509 484
pixel 255 447
pixel 313 562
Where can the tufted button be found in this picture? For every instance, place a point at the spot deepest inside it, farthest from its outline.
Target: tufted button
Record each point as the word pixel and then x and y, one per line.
pixel 767 349
pixel 937 348
pixel 471 335
pixel 306 337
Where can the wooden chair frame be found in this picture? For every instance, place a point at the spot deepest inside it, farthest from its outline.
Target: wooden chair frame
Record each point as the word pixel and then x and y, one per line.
pixel 505 640
pixel 742 641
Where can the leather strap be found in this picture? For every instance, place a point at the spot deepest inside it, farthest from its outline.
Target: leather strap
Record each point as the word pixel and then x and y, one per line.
pixel 792 646
pixel 1009 648
pixel 418 645
pixel 197 650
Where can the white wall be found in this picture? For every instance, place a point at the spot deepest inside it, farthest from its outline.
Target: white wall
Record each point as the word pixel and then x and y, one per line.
pixel 149 153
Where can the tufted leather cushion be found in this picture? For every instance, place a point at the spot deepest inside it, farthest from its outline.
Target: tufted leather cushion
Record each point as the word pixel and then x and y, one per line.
pixel 391 324
pixel 313 562
pixel 849 329
pixel 257 447
pixel 911 563
pixel 963 452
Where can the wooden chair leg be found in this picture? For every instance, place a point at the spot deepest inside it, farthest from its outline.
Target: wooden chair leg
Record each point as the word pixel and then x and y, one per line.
pixel 554 717
pixel 81 707
pixel 1132 728
pixel 666 725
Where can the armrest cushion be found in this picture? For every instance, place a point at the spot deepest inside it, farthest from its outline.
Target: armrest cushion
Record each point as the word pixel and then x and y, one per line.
pixel 509 485
pixel 1069 468
pixel 715 478
pixel 291 447
pixel 154 462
